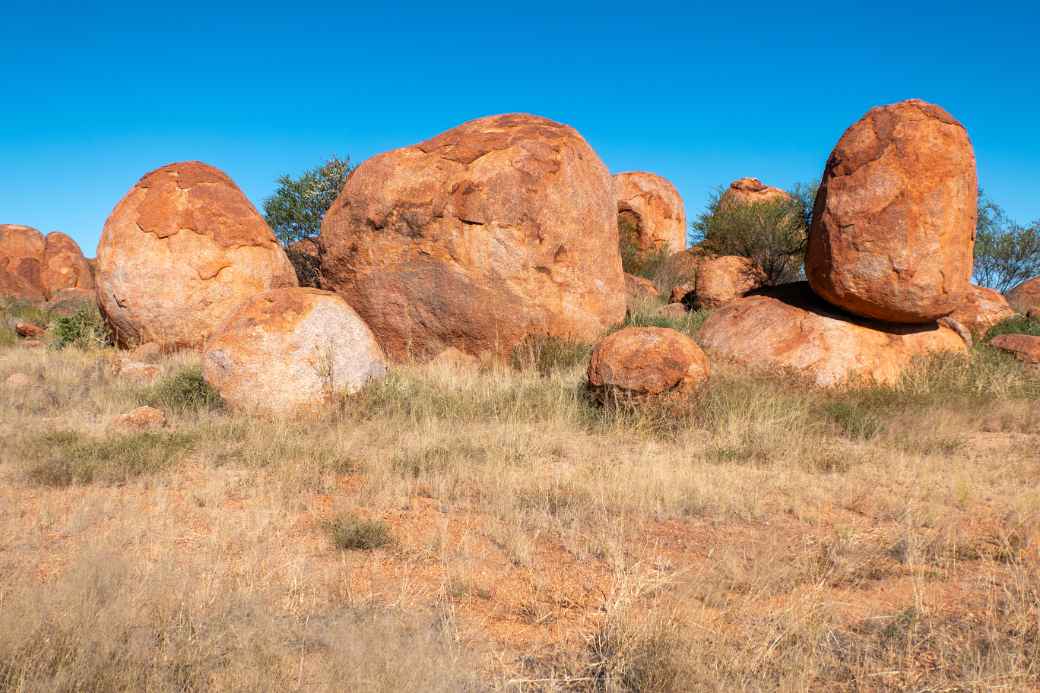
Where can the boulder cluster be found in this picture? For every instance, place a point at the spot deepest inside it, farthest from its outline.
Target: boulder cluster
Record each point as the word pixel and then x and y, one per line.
pixel 510 228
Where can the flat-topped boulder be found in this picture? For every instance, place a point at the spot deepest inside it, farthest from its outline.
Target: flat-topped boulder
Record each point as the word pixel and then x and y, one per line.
pixel 789 329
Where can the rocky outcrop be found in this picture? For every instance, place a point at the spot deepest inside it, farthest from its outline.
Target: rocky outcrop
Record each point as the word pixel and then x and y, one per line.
pixel 499 229
pixel 1025 347
pixel 981 309
pixel 651 212
pixel 638 363
pixel 63 266
pixel 21 257
pixel 789 329
pixel 894 221
pixel 179 253
pixel 748 191
pixel 291 351
pixel 1025 297
pixel 722 279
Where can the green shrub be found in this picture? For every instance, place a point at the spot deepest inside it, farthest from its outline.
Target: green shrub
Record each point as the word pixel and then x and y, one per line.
pixel 184 391
pixel 773 234
pixel 65 458
pixel 1006 253
pixel 350 533
pixel 1016 324
pixel 84 329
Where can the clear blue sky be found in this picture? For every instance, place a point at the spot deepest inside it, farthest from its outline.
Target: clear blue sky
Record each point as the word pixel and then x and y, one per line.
pixel 98 93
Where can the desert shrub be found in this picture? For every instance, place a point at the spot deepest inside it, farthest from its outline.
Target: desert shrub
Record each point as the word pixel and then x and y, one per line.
pixel 65 458
pixel 84 329
pixel 1016 324
pixel 548 355
pixel 184 391
pixel 1006 253
pixel 773 234
pixel 296 208
pixel 351 533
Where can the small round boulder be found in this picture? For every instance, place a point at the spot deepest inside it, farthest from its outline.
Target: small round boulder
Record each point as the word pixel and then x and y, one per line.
pixel 290 351
pixel 638 363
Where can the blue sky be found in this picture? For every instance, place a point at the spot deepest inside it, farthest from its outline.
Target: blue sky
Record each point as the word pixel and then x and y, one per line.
pixel 97 94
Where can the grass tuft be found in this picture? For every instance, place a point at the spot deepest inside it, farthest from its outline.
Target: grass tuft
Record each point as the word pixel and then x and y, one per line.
pixel 351 533
pixel 67 458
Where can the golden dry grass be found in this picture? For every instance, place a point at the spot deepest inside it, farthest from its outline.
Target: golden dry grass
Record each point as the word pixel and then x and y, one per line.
pixel 503 534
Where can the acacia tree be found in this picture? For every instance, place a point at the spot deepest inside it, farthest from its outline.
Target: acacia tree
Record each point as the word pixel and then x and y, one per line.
pixel 1006 253
pixel 296 208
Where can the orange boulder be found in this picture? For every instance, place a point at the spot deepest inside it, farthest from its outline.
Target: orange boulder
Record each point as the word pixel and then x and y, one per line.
pixel 644 362
pixel 1025 297
pixel 651 210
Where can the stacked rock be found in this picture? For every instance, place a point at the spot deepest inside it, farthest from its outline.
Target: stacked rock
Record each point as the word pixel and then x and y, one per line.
pixel 889 253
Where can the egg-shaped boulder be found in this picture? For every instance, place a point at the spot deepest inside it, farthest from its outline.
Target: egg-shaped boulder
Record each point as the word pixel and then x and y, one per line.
pixel 179 253
pixel 291 351
pixel 789 329
pixel 893 226
pixel 651 214
pixel 639 363
pixel 21 257
pixel 502 228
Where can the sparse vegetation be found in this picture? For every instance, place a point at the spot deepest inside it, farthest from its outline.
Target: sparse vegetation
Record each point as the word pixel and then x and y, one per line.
pixel 1017 324
pixel 295 209
pixel 184 391
pixel 1006 253
pixel 773 234
pixel 771 535
pixel 648 264
pixel 84 329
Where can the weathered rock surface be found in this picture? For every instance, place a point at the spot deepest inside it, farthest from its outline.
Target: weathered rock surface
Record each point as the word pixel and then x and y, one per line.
pixel 21 257
pixel 644 362
pixel 652 209
pixel 63 265
pixel 747 191
pixel 1025 347
pixel 722 279
pixel 290 351
pixel 1026 296
pixel 66 302
pixel 894 222
pixel 499 229
pixel 679 293
pixel 981 309
pixel 141 419
pixel 455 359
pixel 682 267
pixel 639 289
pixel 788 328
pixel 29 330
pixel 179 253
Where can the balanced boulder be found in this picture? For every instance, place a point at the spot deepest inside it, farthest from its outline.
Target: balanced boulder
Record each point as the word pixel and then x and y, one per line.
pixel 722 279
pixel 499 229
pixel 290 351
pixel 748 191
pixel 651 212
pixel 179 253
pixel 894 222
pixel 788 328
pixel 981 309
pixel 21 257
pixel 643 362
pixel 1025 297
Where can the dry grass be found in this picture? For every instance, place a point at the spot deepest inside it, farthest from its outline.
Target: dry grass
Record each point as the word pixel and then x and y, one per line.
pixel 502 533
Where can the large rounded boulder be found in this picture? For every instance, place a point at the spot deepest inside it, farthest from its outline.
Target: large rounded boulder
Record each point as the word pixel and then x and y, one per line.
pixel 21 257
pixel 651 212
pixel 179 253
pixel 499 229
pixel 1025 298
pixel 640 363
pixel 894 221
pixel 290 351
pixel 789 329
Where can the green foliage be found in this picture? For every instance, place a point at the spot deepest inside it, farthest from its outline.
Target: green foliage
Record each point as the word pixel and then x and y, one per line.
pixel 773 233
pixel 184 391
pixel 1016 324
pixel 1006 254
pixel 65 458
pixel 84 329
pixel 549 355
pixel 648 316
pixel 350 533
pixel 296 208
